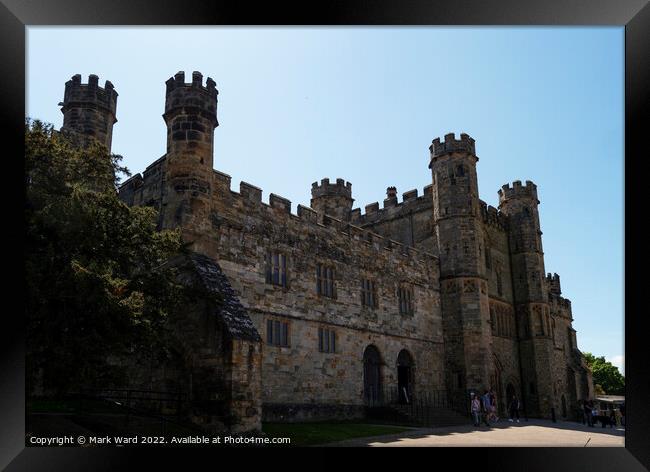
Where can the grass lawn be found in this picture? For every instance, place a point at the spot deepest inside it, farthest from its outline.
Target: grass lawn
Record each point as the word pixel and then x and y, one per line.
pixel 305 434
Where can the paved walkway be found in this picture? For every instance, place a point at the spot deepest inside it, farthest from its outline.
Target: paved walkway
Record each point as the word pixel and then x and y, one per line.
pixel 532 433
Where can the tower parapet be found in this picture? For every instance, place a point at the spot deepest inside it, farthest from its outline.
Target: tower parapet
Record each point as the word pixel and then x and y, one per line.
pixel 340 188
pixel 193 96
pixel 332 199
pixel 451 144
pixel 518 191
pixel 89 110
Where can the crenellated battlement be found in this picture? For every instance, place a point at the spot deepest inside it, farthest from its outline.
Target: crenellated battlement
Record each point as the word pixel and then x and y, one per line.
pixel 492 216
pixel 325 188
pixel 178 81
pixel 252 196
pixel 191 96
pixel 451 144
pixel 410 200
pixel 79 94
pixel 553 282
pixel 518 191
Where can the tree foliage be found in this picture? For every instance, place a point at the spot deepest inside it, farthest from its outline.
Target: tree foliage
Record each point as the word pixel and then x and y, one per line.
pixel 97 279
pixel 606 375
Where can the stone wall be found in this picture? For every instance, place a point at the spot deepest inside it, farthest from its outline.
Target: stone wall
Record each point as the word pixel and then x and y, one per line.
pixel 244 230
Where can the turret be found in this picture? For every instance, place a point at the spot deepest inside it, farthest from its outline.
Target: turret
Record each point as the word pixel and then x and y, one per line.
pixel 458 229
pixel 332 199
pixel 455 195
pixel 89 110
pixel 519 203
pixel 191 117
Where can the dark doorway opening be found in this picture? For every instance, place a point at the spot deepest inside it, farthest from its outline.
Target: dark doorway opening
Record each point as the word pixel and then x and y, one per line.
pixel 564 412
pixel 371 375
pixel 405 377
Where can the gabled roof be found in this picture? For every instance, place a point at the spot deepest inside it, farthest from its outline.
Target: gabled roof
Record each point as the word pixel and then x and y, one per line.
pixel 232 312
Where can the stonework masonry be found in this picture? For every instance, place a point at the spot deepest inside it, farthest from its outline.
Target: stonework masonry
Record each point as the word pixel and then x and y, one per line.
pixel 344 302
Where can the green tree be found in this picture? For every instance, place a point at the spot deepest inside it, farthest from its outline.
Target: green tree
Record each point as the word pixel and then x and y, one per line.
pixel 97 280
pixel 606 375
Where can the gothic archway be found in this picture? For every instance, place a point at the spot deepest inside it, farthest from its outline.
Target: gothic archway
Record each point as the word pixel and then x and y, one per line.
pixel 496 384
pixel 405 376
pixel 371 375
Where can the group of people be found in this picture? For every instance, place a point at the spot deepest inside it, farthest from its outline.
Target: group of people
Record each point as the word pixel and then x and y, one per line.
pixel 591 415
pixel 484 408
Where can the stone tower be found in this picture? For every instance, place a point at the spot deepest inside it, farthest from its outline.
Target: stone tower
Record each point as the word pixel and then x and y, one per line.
pixel 457 231
pixel 530 291
pixel 191 117
pixel 332 199
pixel 89 110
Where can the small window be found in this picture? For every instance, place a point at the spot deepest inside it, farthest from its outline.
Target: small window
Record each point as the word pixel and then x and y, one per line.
pixel 325 281
pixel 460 171
pixel 488 258
pixel 276 269
pixel 405 300
pixel 277 333
pixel 368 293
pixel 326 340
pixel 532 388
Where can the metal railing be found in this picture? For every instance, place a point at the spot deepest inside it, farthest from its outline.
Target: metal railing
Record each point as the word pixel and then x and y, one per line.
pixel 423 407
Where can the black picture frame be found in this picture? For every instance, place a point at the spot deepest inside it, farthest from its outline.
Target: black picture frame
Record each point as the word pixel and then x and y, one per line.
pixel 15 15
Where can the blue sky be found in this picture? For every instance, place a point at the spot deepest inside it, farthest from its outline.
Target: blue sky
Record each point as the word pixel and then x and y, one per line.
pixel 364 104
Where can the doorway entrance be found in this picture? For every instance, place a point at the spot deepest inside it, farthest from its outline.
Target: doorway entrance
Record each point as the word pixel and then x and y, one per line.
pixel 404 377
pixel 371 375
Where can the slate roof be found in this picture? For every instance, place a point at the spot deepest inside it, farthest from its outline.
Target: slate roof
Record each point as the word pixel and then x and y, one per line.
pixel 232 312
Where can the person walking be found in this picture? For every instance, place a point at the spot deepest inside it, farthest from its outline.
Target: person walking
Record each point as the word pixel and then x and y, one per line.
pixel 588 417
pixel 476 409
pixel 594 416
pixel 493 407
pixel 612 419
pixel 485 403
pixel 618 417
pixel 514 409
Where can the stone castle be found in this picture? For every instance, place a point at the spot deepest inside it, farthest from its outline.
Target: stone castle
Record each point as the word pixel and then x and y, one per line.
pixel 327 309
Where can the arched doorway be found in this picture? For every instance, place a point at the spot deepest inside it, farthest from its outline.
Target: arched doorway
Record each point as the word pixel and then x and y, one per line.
pixel 564 412
pixel 404 376
pixel 371 375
